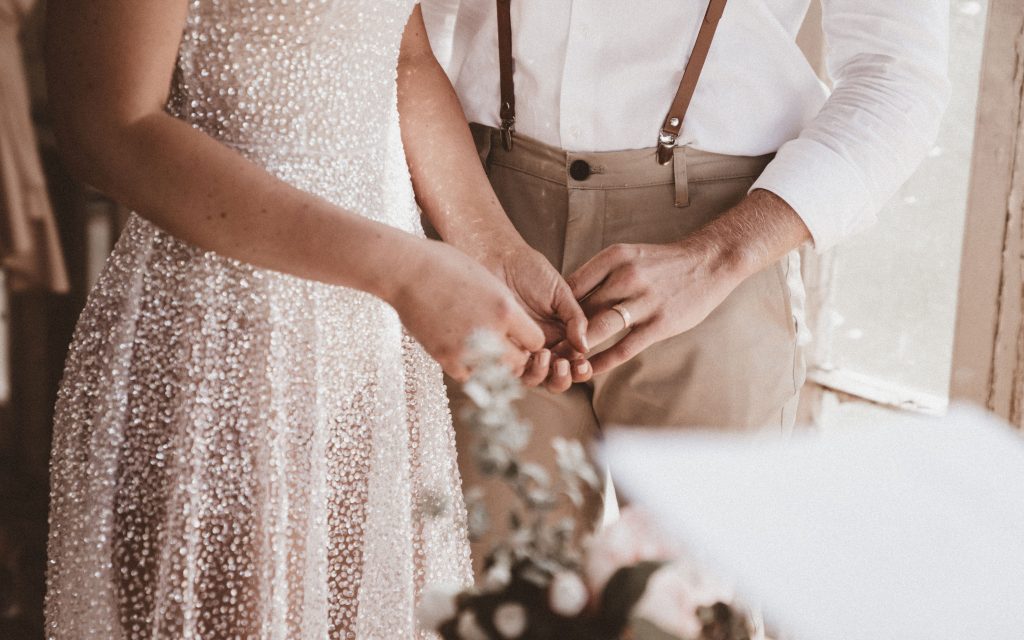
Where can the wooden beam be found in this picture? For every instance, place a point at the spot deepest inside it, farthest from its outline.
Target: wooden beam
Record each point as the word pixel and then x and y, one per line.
pixel 988 354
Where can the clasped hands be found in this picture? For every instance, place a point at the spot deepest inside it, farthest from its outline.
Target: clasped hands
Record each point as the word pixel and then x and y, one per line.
pixel 660 290
pixel 630 296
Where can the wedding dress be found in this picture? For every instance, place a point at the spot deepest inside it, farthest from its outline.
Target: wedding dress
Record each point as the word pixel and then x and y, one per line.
pixel 239 453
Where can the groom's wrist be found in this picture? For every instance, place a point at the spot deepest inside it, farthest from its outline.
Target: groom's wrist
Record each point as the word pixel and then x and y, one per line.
pixel 749 237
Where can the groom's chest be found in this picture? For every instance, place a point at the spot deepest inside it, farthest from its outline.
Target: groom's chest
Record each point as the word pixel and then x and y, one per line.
pixel 614 26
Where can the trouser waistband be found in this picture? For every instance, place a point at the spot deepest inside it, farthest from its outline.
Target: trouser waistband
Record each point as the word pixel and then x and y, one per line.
pixel 616 169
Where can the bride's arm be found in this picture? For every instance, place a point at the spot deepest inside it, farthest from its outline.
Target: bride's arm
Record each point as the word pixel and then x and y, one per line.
pixel 110 64
pixel 451 185
pixel 457 198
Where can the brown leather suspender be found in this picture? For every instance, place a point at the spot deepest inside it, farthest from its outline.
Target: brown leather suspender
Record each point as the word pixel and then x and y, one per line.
pixel 674 120
pixel 507 64
pixel 677 112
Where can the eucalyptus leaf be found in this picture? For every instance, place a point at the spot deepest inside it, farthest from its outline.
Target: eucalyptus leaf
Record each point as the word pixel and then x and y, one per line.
pixel 642 629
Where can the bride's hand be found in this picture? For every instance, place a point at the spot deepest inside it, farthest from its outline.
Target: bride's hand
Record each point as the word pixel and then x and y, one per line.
pixel 443 296
pixel 549 300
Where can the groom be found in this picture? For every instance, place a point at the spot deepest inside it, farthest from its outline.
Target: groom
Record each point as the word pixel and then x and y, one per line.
pixel 669 157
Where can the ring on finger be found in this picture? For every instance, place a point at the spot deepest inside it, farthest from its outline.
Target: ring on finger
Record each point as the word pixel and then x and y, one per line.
pixel 627 317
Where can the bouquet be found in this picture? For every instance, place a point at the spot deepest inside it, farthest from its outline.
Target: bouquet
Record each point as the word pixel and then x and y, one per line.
pixel 541 582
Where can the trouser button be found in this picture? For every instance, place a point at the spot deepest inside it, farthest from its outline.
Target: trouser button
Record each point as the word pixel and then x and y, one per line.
pixel 579 170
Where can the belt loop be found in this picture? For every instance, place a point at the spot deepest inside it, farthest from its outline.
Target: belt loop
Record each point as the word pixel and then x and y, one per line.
pixel 681 178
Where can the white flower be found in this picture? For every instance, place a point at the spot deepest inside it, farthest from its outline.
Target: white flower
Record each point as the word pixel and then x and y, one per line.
pixel 510 620
pixel 437 606
pixel 672 596
pixel 519 538
pixel 477 392
pixel 513 434
pixel 633 538
pixel 485 345
pixel 468 628
pixel 492 459
pixel 498 576
pixel 478 520
pixel 572 461
pixel 567 595
pixel 534 473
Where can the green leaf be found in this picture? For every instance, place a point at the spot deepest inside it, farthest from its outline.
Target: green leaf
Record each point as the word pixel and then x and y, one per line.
pixel 623 591
pixel 646 630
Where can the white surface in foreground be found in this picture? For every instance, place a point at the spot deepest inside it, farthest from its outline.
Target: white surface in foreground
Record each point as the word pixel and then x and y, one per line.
pixel 890 531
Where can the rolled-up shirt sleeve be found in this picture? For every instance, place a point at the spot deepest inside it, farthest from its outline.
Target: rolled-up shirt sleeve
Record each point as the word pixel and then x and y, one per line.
pixel 888 61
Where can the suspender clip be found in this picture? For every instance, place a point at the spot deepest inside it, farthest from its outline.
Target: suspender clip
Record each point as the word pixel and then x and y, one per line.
pixel 508 127
pixel 666 143
pixel 508 123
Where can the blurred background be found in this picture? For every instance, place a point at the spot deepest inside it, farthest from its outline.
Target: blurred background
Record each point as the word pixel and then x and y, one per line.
pixel 54 234
pixel 923 309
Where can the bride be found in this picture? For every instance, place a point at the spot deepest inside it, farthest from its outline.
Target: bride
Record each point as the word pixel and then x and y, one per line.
pixel 248 443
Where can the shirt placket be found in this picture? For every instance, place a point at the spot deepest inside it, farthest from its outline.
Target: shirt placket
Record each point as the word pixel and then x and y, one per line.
pixel 577 104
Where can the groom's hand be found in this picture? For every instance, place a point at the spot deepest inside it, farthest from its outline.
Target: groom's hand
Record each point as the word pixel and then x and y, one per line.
pixel 549 300
pixel 665 290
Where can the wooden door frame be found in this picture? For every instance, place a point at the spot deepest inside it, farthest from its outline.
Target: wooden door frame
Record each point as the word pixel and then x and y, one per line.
pixel 988 352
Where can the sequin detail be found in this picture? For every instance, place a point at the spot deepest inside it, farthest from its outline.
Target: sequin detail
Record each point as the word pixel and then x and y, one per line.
pixel 239 453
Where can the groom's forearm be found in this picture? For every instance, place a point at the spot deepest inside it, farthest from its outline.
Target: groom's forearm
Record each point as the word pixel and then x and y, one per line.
pixel 752 235
pixel 450 183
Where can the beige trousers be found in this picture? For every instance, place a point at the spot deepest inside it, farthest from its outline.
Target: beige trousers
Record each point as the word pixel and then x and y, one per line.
pixel 740 369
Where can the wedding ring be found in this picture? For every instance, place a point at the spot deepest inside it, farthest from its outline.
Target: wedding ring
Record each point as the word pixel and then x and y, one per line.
pixel 624 312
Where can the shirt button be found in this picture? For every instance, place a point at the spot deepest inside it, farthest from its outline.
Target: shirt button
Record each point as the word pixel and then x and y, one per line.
pixel 575 131
pixel 579 170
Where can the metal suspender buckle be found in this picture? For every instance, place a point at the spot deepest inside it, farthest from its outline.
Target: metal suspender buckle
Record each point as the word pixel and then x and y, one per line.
pixel 666 143
pixel 508 125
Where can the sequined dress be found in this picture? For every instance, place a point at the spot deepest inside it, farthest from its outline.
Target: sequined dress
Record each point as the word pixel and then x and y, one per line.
pixel 240 453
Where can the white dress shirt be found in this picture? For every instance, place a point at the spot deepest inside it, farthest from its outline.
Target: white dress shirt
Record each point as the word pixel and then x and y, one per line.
pixel 599 75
